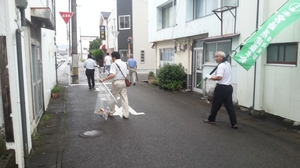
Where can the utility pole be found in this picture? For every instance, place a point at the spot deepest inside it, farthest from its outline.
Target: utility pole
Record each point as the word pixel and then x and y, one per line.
pixel 74 44
pixel 68 33
pixel 80 43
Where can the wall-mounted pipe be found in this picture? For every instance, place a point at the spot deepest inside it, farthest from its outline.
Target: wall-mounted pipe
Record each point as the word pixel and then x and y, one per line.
pixel 21 84
pixel 254 80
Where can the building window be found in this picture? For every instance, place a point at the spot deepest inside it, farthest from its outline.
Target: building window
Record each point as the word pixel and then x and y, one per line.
pixel 124 22
pixel 210 48
pixel 142 56
pixel 167 15
pixel 283 53
pixel 201 8
pixel 167 56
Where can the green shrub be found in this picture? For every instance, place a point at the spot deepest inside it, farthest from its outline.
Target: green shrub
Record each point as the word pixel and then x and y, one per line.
pixel 98 54
pixel 151 78
pixel 171 77
pixel 55 89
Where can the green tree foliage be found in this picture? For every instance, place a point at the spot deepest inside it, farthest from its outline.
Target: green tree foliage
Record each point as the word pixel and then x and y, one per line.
pixel 95 44
pixel 98 54
pixel 171 77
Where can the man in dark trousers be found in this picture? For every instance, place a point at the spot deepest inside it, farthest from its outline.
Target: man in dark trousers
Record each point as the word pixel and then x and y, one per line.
pixel 223 91
pixel 90 65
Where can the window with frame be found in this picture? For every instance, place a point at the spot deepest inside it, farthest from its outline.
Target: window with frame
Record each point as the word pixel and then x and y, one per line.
pixel 124 22
pixel 210 48
pixel 167 56
pixel 201 8
pixel 167 14
pixel 282 53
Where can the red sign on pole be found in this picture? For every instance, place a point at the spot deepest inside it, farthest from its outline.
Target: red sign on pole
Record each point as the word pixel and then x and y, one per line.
pixel 66 16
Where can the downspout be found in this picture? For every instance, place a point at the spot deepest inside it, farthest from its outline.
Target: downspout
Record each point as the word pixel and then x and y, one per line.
pixel 254 80
pixel 21 81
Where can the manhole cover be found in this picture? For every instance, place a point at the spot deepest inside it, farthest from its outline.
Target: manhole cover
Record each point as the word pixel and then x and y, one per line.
pixel 91 134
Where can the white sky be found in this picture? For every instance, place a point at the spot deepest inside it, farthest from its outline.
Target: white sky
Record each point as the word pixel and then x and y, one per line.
pixel 88 17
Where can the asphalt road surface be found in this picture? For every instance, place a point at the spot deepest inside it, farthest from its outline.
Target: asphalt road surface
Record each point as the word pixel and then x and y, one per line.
pixel 167 132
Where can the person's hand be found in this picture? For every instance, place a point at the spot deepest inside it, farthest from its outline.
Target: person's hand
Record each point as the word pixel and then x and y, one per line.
pixel 101 80
pixel 208 76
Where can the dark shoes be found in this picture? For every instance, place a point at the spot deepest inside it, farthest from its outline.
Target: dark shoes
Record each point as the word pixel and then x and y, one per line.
pixel 209 122
pixel 133 84
pixel 235 126
pixel 125 117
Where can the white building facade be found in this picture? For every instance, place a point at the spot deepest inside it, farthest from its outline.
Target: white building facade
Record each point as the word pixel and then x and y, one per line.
pixel 28 47
pixel 191 31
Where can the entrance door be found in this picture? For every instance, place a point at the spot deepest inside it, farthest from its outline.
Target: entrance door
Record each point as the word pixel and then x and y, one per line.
pixel 198 62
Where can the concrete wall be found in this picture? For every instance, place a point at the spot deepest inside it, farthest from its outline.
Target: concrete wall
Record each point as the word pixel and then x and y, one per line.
pixel 11 25
pixel 9 22
pixel 49 68
pixel 2 33
pixel 140 36
pixel 183 28
pixel 276 87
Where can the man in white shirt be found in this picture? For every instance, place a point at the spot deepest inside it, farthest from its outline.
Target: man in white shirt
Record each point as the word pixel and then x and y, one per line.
pixel 90 65
pixel 107 63
pixel 223 91
pixel 118 84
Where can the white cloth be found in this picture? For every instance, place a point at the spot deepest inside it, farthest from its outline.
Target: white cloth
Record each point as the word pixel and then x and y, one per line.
pixel 224 70
pixel 90 64
pixel 107 60
pixel 115 70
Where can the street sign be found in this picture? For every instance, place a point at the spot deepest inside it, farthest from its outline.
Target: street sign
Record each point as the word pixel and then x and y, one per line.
pixel 102 33
pixel 66 16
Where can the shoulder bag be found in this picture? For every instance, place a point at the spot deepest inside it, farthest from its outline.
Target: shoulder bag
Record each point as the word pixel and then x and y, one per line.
pixel 127 82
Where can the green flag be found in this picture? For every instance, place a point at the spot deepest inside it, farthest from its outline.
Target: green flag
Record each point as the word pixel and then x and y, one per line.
pixel 253 46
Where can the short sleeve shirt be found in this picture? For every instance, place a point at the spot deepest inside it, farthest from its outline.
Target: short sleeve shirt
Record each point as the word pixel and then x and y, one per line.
pixel 90 63
pixel 131 63
pixel 107 60
pixel 115 70
pixel 224 70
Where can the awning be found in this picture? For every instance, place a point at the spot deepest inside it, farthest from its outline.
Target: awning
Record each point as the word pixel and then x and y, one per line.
pixel 221 37
pixel 42 17
pixel 102 47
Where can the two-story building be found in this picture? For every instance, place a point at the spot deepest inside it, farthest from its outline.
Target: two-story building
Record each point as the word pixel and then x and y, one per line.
pixel 127 33
pixel 191 31
pixel 27 70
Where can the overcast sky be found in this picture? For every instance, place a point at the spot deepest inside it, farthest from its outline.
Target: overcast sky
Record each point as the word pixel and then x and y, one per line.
pixel 88 16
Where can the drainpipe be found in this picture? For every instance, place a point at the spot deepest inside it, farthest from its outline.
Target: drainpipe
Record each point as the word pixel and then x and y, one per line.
pixel 254 80
pixel 22 6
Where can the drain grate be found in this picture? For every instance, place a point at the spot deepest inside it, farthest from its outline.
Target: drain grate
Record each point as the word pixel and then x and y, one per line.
pixel 91 134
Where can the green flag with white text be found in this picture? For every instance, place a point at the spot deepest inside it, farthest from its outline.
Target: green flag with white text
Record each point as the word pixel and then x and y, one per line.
pixel 259 40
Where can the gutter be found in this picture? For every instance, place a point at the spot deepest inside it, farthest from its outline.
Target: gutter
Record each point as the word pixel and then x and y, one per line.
pixel 22 6
pixel 254 80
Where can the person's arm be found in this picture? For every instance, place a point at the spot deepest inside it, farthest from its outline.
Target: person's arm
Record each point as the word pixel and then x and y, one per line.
pixel 110 76
pixel 216 78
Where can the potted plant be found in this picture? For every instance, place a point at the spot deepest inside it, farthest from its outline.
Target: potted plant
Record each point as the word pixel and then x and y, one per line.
pixel 55 91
